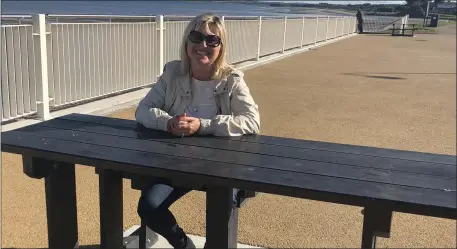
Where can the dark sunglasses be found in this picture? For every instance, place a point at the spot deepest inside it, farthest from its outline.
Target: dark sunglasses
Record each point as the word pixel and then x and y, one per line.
pixel 211 40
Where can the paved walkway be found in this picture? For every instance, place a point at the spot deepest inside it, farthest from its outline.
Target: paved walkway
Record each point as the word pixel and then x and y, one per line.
pixel 393 92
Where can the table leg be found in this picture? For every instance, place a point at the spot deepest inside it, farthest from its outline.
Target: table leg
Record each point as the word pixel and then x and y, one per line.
pixel 60 187
pixel 376 223
pixel 142 235
pixel 368 239
pixel 221 218
pixel 111 209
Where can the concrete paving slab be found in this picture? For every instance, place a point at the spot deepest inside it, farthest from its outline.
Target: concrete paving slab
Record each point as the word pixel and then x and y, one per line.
pixel 162 243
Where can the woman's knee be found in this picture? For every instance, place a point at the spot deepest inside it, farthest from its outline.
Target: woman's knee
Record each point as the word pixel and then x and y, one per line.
pixel 142 208
pixel 152 200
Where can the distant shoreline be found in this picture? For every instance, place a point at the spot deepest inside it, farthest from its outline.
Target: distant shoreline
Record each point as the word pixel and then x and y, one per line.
pixel 172 7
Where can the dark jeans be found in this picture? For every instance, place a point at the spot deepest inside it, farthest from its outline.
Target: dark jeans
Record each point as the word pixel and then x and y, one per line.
pixel 360 27
pixel 153 208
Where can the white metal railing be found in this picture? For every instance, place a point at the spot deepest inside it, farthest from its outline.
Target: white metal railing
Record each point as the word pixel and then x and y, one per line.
pixel 18 70
pixel 93 60
pixel 271 39
pixel 65 59
pixel 172 38
pixel 242 36
pixel 293 33
pixel 321 29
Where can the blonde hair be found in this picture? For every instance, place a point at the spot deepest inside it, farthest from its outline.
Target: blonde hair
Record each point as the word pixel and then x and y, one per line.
pixel 221 68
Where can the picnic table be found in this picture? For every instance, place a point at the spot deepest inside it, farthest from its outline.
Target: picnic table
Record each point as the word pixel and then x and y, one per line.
pixel 401 31
pixel 380 180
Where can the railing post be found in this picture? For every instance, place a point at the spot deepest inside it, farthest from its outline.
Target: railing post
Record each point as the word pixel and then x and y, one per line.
pixel 347 25
pixel 336 27
pixel 343 26
pixel 284 35
pixel 317 28
pixel 259 37
pixel 326 29
pixel 354 25
pixel 161 44
pixel 302 31
pixel 41 64
pixel 223 19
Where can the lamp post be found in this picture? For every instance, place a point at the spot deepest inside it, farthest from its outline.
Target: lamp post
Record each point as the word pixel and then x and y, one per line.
pixel 426 13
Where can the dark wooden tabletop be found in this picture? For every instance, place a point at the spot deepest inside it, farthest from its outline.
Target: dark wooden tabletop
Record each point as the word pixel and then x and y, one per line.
pixel 413 182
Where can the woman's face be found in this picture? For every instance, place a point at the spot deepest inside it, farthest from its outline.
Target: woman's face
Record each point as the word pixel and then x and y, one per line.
pixel 206 52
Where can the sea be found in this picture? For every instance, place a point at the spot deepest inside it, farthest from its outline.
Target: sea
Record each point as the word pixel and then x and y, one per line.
pixel 187 8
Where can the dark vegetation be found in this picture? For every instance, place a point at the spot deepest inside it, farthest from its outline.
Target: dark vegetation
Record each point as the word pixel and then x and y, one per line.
pixel 415 8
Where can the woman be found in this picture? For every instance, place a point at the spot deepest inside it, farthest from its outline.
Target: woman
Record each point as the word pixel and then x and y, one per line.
pixel 200 94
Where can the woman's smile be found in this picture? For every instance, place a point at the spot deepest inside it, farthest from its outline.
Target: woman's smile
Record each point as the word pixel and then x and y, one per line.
pixel 202 52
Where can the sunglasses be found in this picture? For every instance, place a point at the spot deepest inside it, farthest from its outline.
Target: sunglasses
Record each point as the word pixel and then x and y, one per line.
pixel 211 40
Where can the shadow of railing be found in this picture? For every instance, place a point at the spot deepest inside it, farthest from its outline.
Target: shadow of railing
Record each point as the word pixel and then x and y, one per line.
pixel 391 75
pixel 375 76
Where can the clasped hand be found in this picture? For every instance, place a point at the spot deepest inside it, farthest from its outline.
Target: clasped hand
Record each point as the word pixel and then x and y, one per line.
pixel 183 126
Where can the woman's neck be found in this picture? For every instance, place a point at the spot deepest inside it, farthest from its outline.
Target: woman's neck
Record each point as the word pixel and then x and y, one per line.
pixel 201 73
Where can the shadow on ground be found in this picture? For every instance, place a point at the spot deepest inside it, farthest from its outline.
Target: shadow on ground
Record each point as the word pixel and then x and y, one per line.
pixel 80 247
pixel 361 74
pixel 377 34
pixel 389 76
pixel 385 77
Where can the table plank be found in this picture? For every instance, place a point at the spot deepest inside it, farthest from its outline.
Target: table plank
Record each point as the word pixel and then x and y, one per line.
pixel 298 143
pixel 324 188
pixel 390 164
pixel 251 160
pixel 354 149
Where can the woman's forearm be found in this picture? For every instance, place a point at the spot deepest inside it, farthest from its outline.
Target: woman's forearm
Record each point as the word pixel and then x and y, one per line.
pixel 153 118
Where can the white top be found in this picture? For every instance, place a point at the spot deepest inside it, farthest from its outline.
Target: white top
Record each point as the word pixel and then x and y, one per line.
pixel 203 104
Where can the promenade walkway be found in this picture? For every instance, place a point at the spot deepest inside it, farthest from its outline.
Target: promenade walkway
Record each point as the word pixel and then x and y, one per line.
pixel 375 90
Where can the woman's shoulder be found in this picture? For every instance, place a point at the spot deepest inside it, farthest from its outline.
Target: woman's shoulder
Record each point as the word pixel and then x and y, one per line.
pixel 234 74
pixel 172 66
pixel 235 80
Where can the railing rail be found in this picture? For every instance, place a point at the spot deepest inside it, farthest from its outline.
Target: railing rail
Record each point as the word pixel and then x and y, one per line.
pixel 59 60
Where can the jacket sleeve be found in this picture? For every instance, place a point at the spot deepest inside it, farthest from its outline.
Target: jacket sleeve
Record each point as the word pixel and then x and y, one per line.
pixel 150 111
pixel 245 118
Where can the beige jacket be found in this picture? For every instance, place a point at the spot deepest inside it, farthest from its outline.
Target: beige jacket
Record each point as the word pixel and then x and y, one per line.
pixel 171 94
